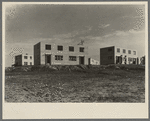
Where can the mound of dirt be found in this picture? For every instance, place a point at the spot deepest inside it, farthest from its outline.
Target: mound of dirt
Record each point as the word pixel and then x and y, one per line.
pixel 18 69
pixel 43 68
pixel 76 68
pixel 123 67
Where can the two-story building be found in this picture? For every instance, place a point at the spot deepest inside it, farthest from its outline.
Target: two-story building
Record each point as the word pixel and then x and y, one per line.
pixel 47 52
pixel 118 55
pixel 24 59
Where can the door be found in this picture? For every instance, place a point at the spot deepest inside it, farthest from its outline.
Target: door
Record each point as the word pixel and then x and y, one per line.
pixel 134 60
pixel 48 59
pixel 117 59
pixel 81 60
pixel 89 61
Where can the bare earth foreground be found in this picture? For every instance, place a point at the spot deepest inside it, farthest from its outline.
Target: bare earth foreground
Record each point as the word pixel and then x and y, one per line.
pixel 113 83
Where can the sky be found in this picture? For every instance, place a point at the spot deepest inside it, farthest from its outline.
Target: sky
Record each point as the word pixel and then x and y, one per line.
pixel 98 25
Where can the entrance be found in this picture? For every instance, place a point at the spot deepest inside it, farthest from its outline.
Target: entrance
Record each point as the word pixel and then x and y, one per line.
pixel 81 60
pixel 119 59
pixel 89 61
pixel 134 60
pixel 48 59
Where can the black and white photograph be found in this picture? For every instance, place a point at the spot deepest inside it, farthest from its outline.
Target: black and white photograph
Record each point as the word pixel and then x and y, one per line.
pixel 75 54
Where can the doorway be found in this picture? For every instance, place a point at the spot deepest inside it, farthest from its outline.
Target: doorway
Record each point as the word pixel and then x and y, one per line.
pixel 81 60
pixel 89 61
pixel 48 59
pixel 134 60
pixel 117 59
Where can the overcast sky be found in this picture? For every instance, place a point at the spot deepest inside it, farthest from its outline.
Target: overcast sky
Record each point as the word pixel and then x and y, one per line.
pixel 98 25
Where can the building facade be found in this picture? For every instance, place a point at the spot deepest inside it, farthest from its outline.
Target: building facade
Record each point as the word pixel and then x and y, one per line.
pixel 117 55
pixel 24 60
pixel 93 62
pixel 60 54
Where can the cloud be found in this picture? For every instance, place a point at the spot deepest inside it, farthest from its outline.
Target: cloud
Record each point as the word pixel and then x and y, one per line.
pixel 136 32
pixel 124 33
pixel 103 25
pixel 116 38
pixel 121 33
pixel 73 34
pixel 116 33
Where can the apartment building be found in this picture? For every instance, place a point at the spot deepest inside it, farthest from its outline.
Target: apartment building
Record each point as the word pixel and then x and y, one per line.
pixel 46 52
pixel 118 55
pixel 24 60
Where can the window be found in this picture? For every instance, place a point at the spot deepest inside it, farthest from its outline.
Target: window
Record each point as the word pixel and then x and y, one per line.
pixel 25 63
pixel 118 50
pixel 72 58
pixel 58 57
pixel 30 57
pixel 130 59
pixel 109 49
pixel 134 52
pixel 109 57
pixel 60 48
pixel 25 57
pixel 30 63
pixel 124 51
pixel 129 51
pixel 71 48
pixel 48 47
pixel 17 57
pixel 81 49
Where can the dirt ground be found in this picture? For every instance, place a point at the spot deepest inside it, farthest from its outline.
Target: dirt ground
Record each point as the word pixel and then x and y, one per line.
pixel 110 84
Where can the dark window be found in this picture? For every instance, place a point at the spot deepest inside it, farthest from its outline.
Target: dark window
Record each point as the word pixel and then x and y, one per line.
pixel 109 57
pixel 118 50
pixel 17 57
pixel 30 57
pixel 129 51
pixel 134 52
pixel 30 63
pixel 58 57
pixel 48 47
pixel 109 49
pixel 25 57
pixel 124 51
pixel 81 49
pixel 71 48
pixel 60 48
pixel 72 58
pixel 25 63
